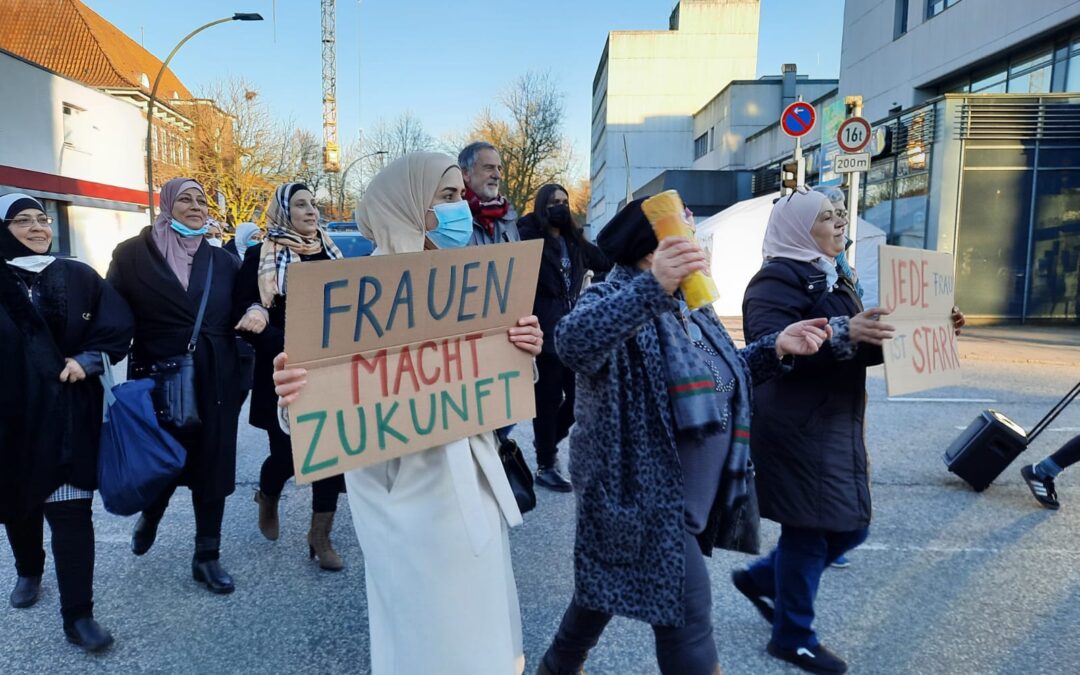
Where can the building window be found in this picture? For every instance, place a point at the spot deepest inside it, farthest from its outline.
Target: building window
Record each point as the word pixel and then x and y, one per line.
pixel 1072 74
pixel 74 126
pixel 701 145
pixel 1030 73
pixel 935 7
pixel 900 19
pixel 992 81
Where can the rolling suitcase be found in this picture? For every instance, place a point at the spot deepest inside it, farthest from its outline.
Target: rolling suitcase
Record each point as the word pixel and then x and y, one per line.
pixel 993 441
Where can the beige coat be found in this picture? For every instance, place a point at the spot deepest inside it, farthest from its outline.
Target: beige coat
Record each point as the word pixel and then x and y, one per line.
pixel 433 529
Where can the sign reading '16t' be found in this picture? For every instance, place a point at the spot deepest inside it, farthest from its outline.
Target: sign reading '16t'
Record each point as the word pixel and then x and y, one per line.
pixel 853 135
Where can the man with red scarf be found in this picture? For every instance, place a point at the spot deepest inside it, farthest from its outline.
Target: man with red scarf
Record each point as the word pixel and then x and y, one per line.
pixel 494 218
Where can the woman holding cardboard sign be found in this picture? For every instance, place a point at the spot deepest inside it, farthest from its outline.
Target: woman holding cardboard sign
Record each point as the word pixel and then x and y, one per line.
pixel 808 442
pixel 293 236
pixel 433 525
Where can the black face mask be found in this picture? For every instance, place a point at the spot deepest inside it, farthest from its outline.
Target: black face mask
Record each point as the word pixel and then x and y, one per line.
pixel 559 216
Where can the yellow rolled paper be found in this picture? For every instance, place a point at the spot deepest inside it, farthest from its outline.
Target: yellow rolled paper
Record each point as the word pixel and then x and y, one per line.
pixel 667 215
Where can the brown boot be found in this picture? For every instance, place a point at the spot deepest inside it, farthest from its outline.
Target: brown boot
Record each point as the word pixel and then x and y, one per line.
pixel 268 515
pixel 319 542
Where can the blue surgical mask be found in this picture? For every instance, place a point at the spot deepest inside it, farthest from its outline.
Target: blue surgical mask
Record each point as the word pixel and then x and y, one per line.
pixel 187 231
pixel 455 224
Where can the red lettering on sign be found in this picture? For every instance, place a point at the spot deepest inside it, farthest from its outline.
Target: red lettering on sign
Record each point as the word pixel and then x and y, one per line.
pixel 420 363
pixel 405 365
pixel 379 363
pixel 471 339
pixel 449 358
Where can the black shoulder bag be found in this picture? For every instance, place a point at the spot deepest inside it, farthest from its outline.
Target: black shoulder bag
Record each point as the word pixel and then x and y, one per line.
pixel 174 396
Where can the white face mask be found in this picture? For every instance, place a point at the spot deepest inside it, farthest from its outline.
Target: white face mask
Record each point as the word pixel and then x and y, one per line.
pixel 215 242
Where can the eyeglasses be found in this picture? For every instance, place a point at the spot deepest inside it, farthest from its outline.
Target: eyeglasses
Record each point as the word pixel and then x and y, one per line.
pixel 27 223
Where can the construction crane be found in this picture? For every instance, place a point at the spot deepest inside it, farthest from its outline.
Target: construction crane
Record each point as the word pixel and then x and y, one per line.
pixel 331 150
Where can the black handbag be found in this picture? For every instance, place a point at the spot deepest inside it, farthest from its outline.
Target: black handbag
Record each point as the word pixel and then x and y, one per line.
pixel 518 475
pixel 174 396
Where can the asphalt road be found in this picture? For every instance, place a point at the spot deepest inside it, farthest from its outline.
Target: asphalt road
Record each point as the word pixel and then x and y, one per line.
pixel 950 581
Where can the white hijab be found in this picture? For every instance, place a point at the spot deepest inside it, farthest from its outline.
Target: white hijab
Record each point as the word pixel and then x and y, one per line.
pixel 788 232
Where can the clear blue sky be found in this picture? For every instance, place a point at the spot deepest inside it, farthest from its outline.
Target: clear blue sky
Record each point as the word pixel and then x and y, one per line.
pixel 443 61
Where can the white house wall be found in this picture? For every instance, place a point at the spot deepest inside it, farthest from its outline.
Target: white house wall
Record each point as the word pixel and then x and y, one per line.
pixel 105 146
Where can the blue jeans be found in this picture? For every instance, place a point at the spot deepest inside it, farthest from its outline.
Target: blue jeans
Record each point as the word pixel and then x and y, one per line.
pixel 790 575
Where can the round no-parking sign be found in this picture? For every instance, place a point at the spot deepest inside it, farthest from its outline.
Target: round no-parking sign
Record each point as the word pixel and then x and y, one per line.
pixel 798 119
pixel 854 134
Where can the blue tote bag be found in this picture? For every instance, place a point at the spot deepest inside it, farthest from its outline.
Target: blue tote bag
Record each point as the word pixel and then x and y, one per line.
pixel 137 457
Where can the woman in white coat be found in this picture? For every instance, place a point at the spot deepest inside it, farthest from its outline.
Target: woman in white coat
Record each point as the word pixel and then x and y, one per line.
pixel 433 526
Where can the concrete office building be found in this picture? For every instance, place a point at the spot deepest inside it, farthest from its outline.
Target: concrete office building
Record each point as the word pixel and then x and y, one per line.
pixel 742 109
pixel 648 86
pixel 975 108
pixel 982 159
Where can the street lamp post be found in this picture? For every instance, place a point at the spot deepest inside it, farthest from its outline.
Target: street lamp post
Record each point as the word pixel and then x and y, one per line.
pixel 345 174
pixel 153 94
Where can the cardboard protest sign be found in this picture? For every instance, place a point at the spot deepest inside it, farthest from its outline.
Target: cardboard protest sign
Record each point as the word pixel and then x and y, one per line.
pixel 406 352
pixel 918 288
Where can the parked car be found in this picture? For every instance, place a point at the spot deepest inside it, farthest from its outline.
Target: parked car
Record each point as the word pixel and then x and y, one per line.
pixel 350 241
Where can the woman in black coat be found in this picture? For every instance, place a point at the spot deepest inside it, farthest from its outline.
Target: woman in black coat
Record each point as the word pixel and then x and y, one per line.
pixel 162 273
pixel 567 257
pixel 294 236
pixel 58 319
pixel 807 438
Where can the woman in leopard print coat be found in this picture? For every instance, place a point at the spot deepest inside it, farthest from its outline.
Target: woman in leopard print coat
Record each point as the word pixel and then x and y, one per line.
pixel 644 516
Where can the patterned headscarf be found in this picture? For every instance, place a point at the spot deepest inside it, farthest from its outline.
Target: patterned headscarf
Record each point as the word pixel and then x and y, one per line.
pixel 284 245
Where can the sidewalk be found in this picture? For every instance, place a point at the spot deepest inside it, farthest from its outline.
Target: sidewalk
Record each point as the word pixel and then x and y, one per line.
pixel 1049 345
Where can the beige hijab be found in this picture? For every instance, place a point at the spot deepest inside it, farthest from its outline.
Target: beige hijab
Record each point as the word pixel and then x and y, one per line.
pixel 392 211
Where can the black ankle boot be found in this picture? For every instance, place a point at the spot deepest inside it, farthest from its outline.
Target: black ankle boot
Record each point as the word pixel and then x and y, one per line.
pixel 144 534
pixel 88 634
pixel 26 592
pixel 210 572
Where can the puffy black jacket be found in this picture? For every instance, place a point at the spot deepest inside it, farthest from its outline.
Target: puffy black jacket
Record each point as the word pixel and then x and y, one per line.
pixel 807 438
pixel 553 302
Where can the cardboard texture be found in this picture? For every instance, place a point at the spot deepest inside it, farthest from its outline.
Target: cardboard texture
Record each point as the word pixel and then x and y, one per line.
pixel 406 352
pixel 918 288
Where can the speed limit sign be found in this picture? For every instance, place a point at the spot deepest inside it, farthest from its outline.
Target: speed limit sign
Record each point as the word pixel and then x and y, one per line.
pixel 854 134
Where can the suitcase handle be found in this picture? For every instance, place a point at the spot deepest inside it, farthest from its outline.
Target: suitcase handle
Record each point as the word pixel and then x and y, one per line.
pixel 1054 412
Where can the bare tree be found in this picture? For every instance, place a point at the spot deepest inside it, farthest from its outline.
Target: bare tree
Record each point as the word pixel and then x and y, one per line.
pixel 528 136
pixel 400 136
pixel 239 150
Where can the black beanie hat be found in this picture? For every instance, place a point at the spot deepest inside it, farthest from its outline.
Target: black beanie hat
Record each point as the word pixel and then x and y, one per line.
pixel 628 237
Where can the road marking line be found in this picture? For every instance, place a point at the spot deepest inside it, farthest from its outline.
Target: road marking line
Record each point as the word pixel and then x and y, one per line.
pixel 873 546
pixel 1061 429
pixel 901 399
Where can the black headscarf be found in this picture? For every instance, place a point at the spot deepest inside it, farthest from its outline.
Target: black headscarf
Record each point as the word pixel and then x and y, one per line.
pixel 629 236
pixel 12 205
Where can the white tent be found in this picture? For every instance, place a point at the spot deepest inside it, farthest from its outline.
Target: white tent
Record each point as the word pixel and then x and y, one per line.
pixel 733 239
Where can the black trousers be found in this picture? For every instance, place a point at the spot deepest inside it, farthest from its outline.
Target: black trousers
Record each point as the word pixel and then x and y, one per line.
pixel 73 553
pixel 208 516
pixel 554 407
pixel 1068 454
pixel 685 650
pixel 278 468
